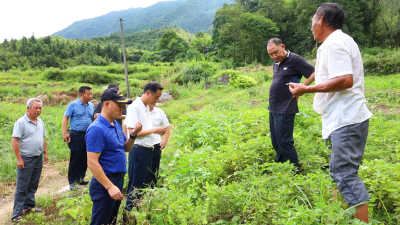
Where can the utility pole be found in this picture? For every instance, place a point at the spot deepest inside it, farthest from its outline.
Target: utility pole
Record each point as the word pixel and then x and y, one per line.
pixel 124 54
pixel 204 45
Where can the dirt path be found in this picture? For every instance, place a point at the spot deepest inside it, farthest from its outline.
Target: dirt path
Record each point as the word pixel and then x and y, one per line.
pixel 52 182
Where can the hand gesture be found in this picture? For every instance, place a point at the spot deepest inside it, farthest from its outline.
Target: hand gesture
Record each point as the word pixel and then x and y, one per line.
pixel 297 89
pixel 136 129
pixel 115 193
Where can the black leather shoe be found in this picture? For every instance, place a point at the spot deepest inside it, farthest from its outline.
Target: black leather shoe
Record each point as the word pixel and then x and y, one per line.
pixel 73 186
pixel 84 182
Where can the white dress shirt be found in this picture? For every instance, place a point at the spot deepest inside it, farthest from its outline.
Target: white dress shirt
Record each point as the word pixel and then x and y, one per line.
pixel 339 55
pixel 158 119
pixel 138 112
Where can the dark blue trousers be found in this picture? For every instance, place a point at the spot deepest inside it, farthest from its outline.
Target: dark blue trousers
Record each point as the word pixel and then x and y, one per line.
pixel 155 166
pixel 281 126
pixel 105 209
pixel 138 170
pixel 78 161
pixel 27 184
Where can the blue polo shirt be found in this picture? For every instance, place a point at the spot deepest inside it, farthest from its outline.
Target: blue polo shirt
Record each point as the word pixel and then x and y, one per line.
pixel 108 140
pixel 80 115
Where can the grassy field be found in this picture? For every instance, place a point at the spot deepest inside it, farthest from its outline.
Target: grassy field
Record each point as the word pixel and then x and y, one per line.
pixel 218 166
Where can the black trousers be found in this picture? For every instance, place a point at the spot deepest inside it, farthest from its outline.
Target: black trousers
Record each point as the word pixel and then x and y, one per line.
pixel 78 161
pixel 139 168
pixel 155 166
pixel 281 126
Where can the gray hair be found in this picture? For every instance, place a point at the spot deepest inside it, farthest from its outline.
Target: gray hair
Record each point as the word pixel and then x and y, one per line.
pixel 30 101
pixel 276 41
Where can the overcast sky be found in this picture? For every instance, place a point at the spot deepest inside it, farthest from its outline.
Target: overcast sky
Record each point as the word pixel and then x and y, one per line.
pixel 20 18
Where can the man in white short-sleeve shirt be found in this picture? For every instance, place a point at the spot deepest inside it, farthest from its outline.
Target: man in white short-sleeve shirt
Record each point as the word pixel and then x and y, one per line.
pixel 339 98
pixel 158 119
pixel 338 56
pixel 140 156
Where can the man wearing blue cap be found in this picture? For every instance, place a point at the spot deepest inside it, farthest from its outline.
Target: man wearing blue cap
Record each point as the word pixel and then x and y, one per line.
pixel 106 145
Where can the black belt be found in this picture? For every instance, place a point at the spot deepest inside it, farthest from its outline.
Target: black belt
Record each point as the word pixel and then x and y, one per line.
pixel 157 145
pixel 139 146
pixel 78 132
pixel 116 175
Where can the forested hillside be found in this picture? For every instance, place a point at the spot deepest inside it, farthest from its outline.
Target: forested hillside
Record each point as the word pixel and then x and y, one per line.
pixel 58 52
pixel 144 40
pixel 238 38
pixel 192 15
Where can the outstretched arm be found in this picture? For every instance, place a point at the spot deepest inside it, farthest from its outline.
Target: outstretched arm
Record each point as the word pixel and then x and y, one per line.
pixel 333 85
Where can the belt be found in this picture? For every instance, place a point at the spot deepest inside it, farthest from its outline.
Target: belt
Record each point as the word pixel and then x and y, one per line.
pixel 116 175
pixel 157 145
pixel 146 148
pixel 78 132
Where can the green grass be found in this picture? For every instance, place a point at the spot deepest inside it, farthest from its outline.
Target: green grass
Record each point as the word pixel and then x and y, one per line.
pixel 218 166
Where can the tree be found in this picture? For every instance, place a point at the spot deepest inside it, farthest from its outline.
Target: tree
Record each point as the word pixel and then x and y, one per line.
pixel 242 35
pixel 32 39
pixel 201 42
pixel 171 45
pixel 166 38
pixel 250 6
pixel 390 19
pixel 47 40
pixel 256 30
pixel 5 43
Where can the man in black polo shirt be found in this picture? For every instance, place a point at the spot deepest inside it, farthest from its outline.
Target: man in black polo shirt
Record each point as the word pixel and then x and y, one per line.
pixel 288 67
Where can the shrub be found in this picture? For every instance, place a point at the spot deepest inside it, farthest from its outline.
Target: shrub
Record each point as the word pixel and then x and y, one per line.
pixel 379 61
pixel 227 64
pixel 90 75
pixel 194 71
pixel 238 80
pixel 53 74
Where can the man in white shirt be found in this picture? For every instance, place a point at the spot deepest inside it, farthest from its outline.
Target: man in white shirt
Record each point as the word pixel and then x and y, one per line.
pixel 140 156
pixel 158 119
pixel 339 98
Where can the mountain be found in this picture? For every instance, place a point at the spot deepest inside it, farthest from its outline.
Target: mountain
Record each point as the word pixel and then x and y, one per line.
pixel 192 15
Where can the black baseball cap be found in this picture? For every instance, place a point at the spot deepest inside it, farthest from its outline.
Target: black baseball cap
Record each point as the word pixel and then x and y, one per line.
pixel 114 95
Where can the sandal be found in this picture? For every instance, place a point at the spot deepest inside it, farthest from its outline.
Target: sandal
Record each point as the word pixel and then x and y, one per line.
pixel 16 219
pixel 32 210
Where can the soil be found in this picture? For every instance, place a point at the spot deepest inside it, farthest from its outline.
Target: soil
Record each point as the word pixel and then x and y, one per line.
pixel 387 109
pixel 52 182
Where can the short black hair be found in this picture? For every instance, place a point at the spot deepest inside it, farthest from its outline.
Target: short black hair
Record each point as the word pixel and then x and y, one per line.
pixel 276 41
pixel 332 13
pixel 152 87
pixel 113 86
pixel 83 89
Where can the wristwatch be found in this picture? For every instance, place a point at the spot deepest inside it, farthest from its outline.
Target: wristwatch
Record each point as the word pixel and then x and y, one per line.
pixel 132 137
